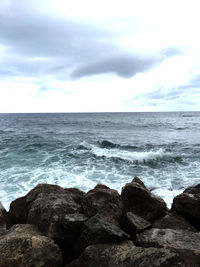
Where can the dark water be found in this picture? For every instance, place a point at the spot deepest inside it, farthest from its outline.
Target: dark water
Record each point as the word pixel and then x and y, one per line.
pixel 81 150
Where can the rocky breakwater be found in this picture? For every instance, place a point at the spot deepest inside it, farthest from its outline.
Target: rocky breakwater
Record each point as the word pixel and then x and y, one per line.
pixel 54 226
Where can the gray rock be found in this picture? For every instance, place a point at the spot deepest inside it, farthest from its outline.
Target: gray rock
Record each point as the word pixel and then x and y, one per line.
pixel 132 224
pixel 188 204
pixel 141 201
pixel 173 221
pixel 170 238
pixel 98 230
pixel 24 246
pixel 104 201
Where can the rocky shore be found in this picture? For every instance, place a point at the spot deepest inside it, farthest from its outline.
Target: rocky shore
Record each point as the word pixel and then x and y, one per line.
pixel 53 226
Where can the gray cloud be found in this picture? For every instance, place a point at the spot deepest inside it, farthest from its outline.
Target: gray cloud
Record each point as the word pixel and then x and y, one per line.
pixel 38 44
pixel 125 66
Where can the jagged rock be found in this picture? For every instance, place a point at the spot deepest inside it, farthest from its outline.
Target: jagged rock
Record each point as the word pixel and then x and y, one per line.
pixel 188 204
pixel 3 214
pixel 170 238
pixel 125 254
pixel 137 180
pixel 105 201
pixel 173 221
pixel 98 230
pixel 141 201
pixel 24 246
pixel 77 194
pixel 132 224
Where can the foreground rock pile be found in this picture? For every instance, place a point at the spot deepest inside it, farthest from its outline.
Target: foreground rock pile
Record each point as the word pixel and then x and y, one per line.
pixel 52 226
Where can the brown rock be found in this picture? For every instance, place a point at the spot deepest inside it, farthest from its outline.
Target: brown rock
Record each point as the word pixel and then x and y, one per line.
pixel 170 238
pixel 20 207
pixel 188 204
pixel 104 201
pixel 132 224
pixel 173 221
pixel 141 201
pixel 77 194
pixel 137 180
pixel 24 246
pixel 3 217
pixel 125 254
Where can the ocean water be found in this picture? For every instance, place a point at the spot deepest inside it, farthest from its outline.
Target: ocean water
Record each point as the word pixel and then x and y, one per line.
pixel 81 150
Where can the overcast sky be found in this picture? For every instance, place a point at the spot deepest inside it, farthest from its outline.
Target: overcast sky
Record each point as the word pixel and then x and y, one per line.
pixel 96 56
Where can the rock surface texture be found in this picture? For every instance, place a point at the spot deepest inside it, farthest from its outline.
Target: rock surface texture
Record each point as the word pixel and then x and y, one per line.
pixel 188 204
pixel 54 226
pixel 23 245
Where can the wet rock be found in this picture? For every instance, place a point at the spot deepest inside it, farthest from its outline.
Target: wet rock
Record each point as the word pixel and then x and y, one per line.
pixel 188 204
pixel 141 201
pixel 173 221
pixel 132 224
pixel 98 230
pixel 24 246
pixel 170 238
pixel 125 254
pixel 104 201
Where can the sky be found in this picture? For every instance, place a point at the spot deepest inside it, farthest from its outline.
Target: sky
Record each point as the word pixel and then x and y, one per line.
pixel 99 56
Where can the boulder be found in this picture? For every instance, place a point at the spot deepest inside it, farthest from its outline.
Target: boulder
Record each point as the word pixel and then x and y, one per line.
pixel 170 238
pixel 125 254
pixel 45 206
pixel 19 208
pixel 132 224
pixel 137 199
pixel 104 201
pixel 173 221
pixel 188 204
pixel 23 245
pixel 98 230
pixel 48 213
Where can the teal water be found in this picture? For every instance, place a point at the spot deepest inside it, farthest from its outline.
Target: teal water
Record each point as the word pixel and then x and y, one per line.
pixel 81 150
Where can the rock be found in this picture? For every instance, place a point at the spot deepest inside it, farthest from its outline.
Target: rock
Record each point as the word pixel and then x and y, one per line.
pixel 132 224
pixel 125 254
pixel 48 212
pixel 77 194
pixel 24 246
pixel 20 207
pixel 141 201
pixel 173 221
pixel 170 238
pixel 98 230
pixel 104 201
pixel 188 204
pixel 3 214
pixel 137 180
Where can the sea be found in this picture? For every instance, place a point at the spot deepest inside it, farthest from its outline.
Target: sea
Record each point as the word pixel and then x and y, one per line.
pixel 84 149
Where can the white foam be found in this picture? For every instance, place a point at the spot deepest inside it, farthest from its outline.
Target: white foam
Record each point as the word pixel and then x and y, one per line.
pixel 167 194
pixel 129 155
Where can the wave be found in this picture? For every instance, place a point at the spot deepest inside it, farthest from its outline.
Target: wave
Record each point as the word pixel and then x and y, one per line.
pixel 132 156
